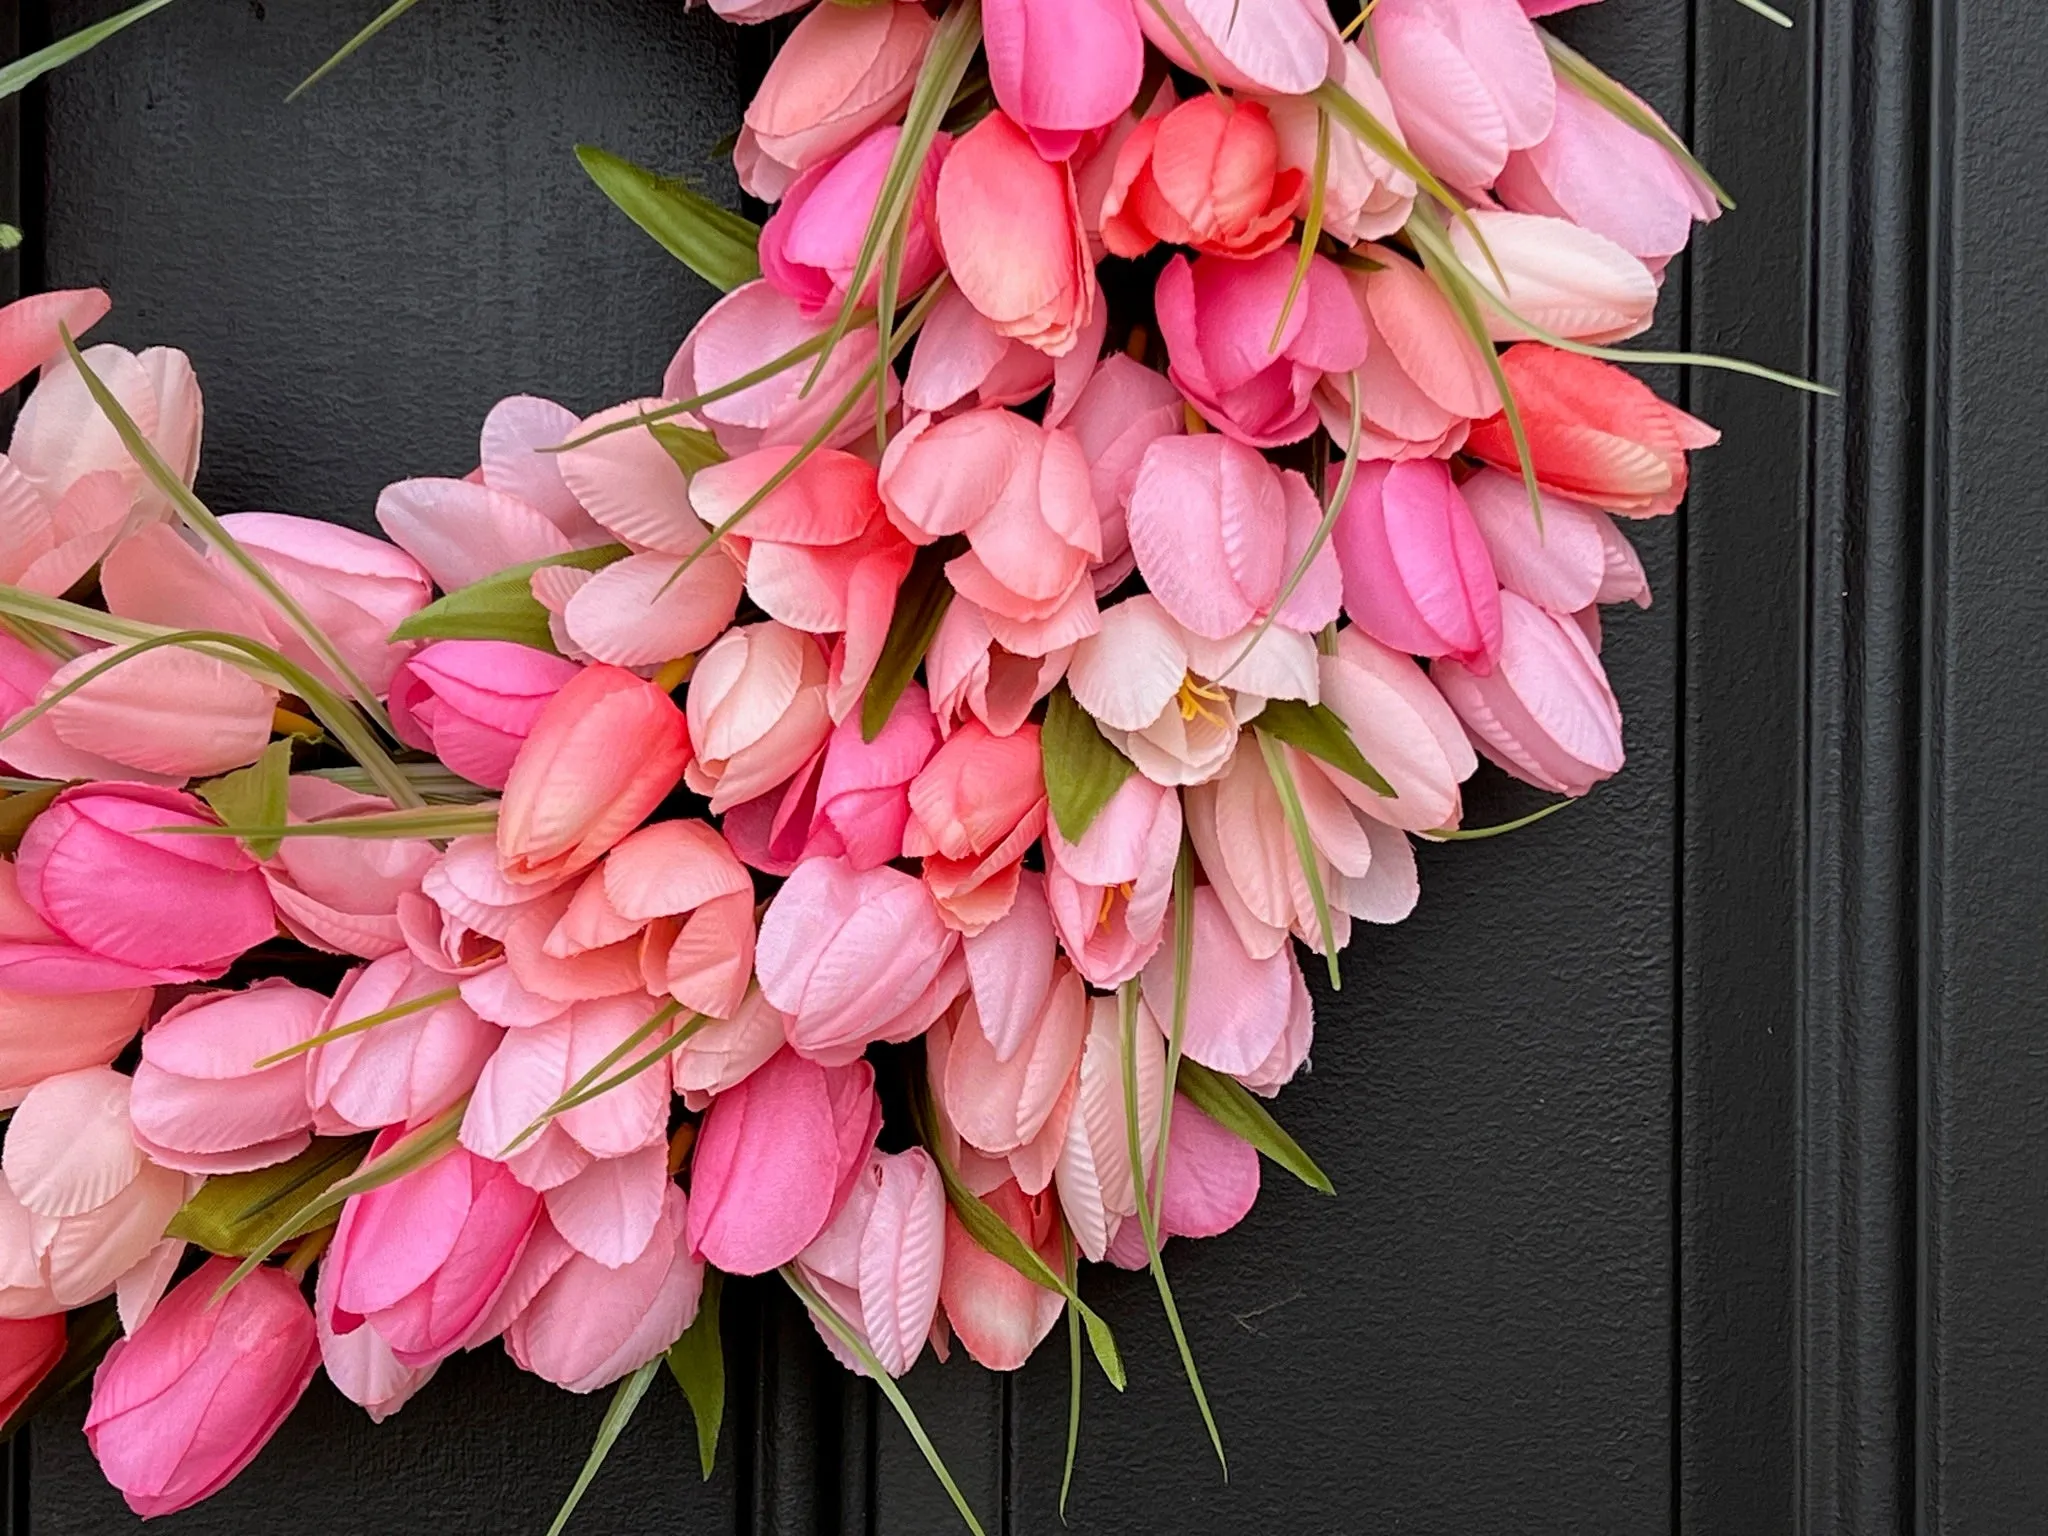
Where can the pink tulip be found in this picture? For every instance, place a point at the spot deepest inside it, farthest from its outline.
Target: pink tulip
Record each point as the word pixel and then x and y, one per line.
pixel 1125 408
pixel 776 1158
pixel 1417 575
pixel 201 1103
pixel 1010 968
pixel 811 244
pixel 856 956
pixel 1206 174
pixel 877 1263
pixel 1423 381
pixel 1597 171
pixel 726 1052
pixel 31 747
pixel 1212 1180
pixel 118 905
pixel 752 326
pixel 588 1324
pixel 185 1402
pixel 959 353
pixel 42 1035
pixel 1578 557
pixel 422 1258
pixel 1469 81
pixel 30 334
pixel 975 810
pixel 80 1206
pixel 974 678
pixel 1094 1176
pixel 642 611
pixel 603 753
pixel 403 1071
pixel 1560 278
pixel 1217 530
pixel 851 801
pixel 1062 69
pixel 1109 891
pixel 1218 317
pixel 1279 47
pixel 1021 495
pixel 342 894
pixel 999 1316
pixel 1544 712
pixel 360 1363
pixel 1405 730
pixel 1365 196
pixel 1000 1106
pixel 472 703
pixel 1009 225
pixel 1248 1017
pixel 841 71
pixel 757 712
pixel 613 1209
pixel 30 1347
pixel 458 922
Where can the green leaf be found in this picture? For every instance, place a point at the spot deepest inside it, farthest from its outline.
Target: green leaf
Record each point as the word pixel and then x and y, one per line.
pixel 616 1417
pixel 1768 12
pixel 231 1213
pixel 691 447
pixel 717 244
pixel 1082 770
pixel 1231 1105
pixel 921 602
pixel 1305 854
pixel 89 1332
pixel 437 785
pixel 697 1361
pixel 255 794
pixel 1177 1011
pixel 429 821
pixel 10 237
pixel 19 809
pixel 382 20
pixel 502 606
pixel 1480 834
pixel 1319 731
pixel 35 65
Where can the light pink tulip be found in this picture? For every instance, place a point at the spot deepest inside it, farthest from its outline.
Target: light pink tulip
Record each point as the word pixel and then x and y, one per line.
pixel 1125 408
pixel 31 747
pixel 1469 81
pixel 185 1402
pixel 757 712
pixel 1212 1180
pixel 422 1258
pixel 958 353
pixel 725 1052
pixel 999 1106
pixel 457 924
pixel 30 1347
pixel 1247 1016
pixel 1021 494
pixel 1094 1176
pixel 30 334
pixel 80 1205
pixel 999 1316
pixel 776 1158
pixel 975 810
pixel 856 956
pixel 588 1324
pixel 1109 892
pixel 1206 174
pixel 1217 530
pixel 1578 556
pixel 1603 175
pixel 42 1035
pixel 360 1363
pixel 1545 712
pixel 1218 317
pixel 1062 69
pixel 403 1071
pixel 1365 196
pixel 1010 967
pixel 120 906
pixel 642 611
pixel 472 703
pixel 342 894
pixel 1009 226
pixel 974 678
pixel 1563 279
pixel 1417 575
pixel 877 1263
pixel 604 752
pixel 1278 47
pixel 811 244
pixel 201 1103
pixel 1405 730
pixel 840 72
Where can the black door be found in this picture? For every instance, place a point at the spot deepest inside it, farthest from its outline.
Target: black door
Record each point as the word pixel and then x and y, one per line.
pixel 1689 1146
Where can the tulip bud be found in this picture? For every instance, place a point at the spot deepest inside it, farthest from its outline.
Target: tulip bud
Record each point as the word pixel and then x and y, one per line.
pixel 998 1315
pixel 472 703
pixel 1469 81
pixel 811 244
pixel 1212 1180
pixel 757 712
pixel 201 1103
pixel 877 1264
pixel 1207 174
pixel 975 811
pixel 1417 576
pixel 403 1071
pixel 1109 891
pixel 342 894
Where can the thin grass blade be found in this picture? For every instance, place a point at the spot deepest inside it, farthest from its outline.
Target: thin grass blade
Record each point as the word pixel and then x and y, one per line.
pixel 624 1401
pixel 383 19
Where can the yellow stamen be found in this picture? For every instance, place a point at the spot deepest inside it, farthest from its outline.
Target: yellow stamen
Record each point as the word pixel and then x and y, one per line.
pixel 1195 699
pixel 283 722
pixel 673 673
pixel 1192 418
pixel 1109 896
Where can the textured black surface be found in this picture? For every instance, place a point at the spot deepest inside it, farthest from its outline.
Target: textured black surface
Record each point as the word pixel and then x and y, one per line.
pixel 1690 1146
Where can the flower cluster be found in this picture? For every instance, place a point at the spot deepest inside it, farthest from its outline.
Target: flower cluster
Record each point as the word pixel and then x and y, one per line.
pixel 1161 451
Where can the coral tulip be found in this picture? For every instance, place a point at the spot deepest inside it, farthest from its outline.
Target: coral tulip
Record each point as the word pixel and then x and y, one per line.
pixel 975 810
pixel 1207 174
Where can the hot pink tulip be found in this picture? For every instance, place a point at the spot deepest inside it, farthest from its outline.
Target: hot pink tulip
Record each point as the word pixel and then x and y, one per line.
pixel 80 1206
pixel 403 1071
pixel 342 894
pixel 1217 530
pixel 103 902
pixel 757 712
pixel 1096 1189
pixel 999 1316
pixel 1021 494
pixel 841 71
pixel 1417 575
pixel 42 1035
pixel 1247 1017
pixel 30 337
pixel 603 753
pixel 856 956
pixel 1578 557
pixel 1062 68
pixel 30 1347
pixel 1365 196
pixel 776 1158
pixel 1218 317
pixel 1279 47
pixel 1469 81
pixel 1206 174
pixel 201 1103
pixel 1404 728
pixel 1212 1180
pixel 185 1402
pixel 1009 225
pixel 811 244
pixel 1109 892
pixel 1562 279
pixel 877 1263
pixel 1545 712
pixel 975 811
pixel 422 1258
pixel 472 703
pixel 974 678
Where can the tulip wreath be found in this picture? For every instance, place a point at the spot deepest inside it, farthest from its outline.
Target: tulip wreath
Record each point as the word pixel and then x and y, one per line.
pixel 1151 451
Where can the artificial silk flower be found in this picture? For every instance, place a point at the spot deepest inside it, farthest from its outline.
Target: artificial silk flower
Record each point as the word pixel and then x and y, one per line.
pixel 405 1070
pixel 973 678
pixel 998 1315
pixel 1416 571
pixel 1469 81
pixel 1062 69
pixel 1206 174
pixel 878 1262
pixel 1402 726
pixel 30 1347
pixel 975 808
pixel 342 894
pixel 1276 47
pixel 1565 280
pixel 1094 1176
pixel 1576 558
pixel 1212 1180
pixel 757 711
pixel 811 244
pixel 1365 196
pixel 32 328
pixel 472 703
pixel 46 1034
pixel 1108 891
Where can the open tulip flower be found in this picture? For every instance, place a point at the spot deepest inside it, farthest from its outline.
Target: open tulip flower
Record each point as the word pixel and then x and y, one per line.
pixel 1126 488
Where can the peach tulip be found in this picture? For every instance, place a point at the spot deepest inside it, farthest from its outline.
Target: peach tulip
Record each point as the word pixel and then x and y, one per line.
pixel 877 1263
pixel 1109 891
pixel 998 1315
pixel 972 677
pixel 44 1034
pixel 757 711
pixel 31 328
pixel 201 1103
pixel 1469 81
pixel 1206 174
pixel 403 1071
pixel 975 810
pixel 725 1052
pixel 472 703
